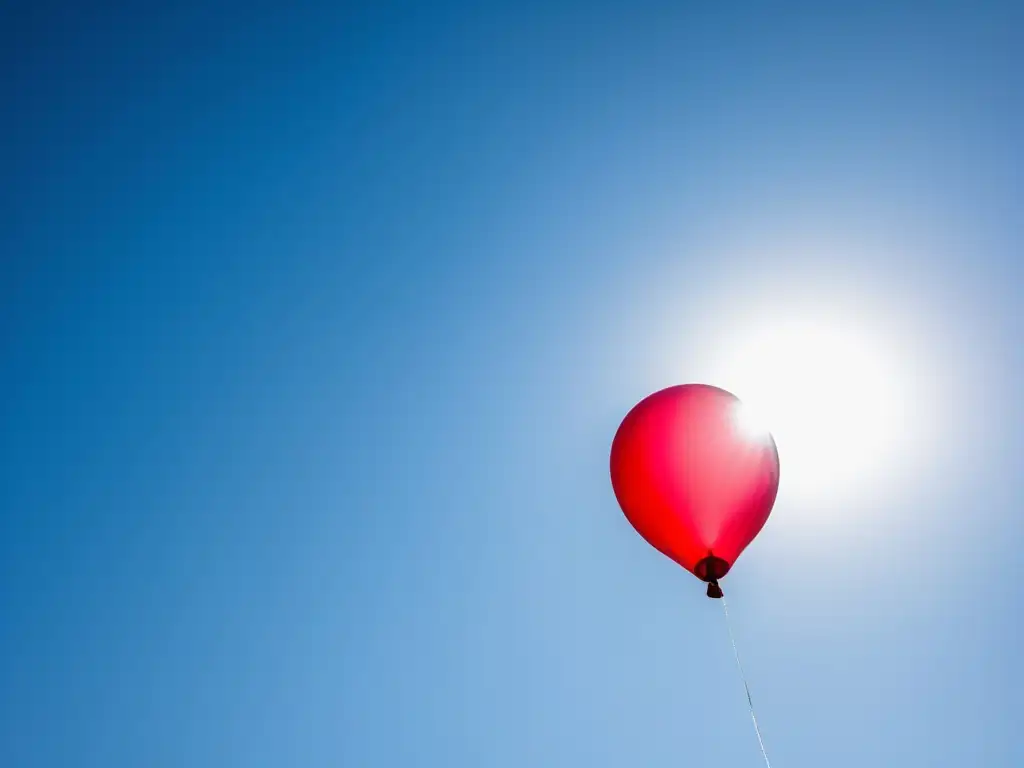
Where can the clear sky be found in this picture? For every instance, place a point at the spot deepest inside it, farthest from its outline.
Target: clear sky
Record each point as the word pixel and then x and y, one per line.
pixel 318 320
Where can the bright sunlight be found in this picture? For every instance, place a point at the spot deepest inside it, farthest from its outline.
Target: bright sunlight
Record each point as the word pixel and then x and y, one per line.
pixel 834 401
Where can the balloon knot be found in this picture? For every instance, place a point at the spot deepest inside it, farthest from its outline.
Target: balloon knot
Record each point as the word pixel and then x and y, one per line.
pixel 714 591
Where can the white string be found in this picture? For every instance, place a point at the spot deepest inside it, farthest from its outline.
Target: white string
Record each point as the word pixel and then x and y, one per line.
pixel 743 677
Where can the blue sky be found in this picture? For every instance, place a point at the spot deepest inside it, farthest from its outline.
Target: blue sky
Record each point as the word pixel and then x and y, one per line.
pixel 317 324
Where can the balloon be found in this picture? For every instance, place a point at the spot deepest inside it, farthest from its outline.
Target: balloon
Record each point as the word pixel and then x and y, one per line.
pixel 693 479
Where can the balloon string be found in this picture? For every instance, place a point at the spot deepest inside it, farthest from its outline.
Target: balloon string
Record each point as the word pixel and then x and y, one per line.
pixel 746 687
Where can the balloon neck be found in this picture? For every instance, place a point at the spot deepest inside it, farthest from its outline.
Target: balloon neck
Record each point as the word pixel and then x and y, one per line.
pixel 711 569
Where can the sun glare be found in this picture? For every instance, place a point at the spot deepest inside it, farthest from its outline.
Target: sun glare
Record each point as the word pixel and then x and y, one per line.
pixel 833 402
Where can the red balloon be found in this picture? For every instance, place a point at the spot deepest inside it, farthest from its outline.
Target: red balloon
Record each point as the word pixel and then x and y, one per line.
pixel 692 480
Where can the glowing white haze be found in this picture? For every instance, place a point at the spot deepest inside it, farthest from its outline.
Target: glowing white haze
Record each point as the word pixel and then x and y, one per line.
pixel 833 400
pixel 841 399
pixel 866 375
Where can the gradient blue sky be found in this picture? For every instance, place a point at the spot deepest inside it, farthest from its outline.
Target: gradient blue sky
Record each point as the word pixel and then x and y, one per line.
pixel 317 324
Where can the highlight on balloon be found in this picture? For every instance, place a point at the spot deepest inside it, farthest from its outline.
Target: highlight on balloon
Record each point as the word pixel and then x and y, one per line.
pixel 750 422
